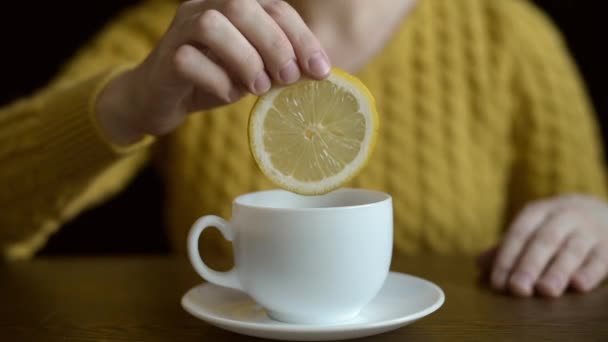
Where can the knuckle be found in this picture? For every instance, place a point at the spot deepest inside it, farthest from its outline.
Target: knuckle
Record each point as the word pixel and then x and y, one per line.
pixel 182 59
pixel 527 220
pixel 568 212
pixel 547 238
pixel 532 263
pixel 572 198
pixel 575 248
pixel 306 41
pixel 518 235
pixel 237 8
pixel 560 271
pixel 277 8
pixel 253 61
pixel 280 43
pixel 538 205
pixel 532 267
pixel 210 20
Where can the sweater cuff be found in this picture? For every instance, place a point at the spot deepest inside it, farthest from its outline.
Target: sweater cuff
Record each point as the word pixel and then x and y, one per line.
pixel 71 125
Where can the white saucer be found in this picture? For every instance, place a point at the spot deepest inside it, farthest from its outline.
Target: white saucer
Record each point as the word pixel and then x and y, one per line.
pixel 402 300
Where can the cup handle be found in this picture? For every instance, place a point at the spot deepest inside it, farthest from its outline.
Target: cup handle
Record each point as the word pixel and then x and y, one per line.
pixel 227 279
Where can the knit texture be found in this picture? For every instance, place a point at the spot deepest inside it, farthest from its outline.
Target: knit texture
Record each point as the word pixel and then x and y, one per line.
pixel 481 112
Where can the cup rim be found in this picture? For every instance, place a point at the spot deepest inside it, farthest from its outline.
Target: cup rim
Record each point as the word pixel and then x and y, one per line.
pixel 382 197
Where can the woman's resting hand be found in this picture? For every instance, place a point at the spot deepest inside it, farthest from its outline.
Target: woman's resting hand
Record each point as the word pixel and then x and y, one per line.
pixel 551 245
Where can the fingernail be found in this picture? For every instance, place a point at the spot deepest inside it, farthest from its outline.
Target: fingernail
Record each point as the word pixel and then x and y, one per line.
pixel 523 280
pixel 261 83
pixel 319 65
pixel 290 72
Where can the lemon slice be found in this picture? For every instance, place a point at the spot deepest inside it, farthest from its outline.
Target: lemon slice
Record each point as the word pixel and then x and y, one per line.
pixel 314 136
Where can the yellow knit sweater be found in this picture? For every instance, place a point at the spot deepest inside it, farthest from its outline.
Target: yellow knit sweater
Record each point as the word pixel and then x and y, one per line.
pixel 481 110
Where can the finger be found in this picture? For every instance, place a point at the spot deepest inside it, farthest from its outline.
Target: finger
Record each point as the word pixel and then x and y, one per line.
pixel 516 237
pixel 195 67
pixel 213 30
pixel 187 8
pixel 541 247
pixel 592 272
pixel 311 56
pixel 267 37
pixel 554 281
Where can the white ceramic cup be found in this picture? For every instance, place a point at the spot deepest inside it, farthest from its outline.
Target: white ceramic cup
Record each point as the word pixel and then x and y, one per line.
pixel 305 259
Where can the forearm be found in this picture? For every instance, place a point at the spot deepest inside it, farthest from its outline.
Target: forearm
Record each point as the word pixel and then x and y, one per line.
pixel 116 109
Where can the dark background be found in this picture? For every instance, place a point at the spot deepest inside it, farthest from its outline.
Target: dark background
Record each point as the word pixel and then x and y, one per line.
pixel 38 36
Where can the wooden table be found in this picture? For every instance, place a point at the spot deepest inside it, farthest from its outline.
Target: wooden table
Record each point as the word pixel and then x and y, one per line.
pixel 137 299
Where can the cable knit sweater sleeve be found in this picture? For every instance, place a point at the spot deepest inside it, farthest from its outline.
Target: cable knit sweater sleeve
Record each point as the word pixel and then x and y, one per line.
pixel 556 138
pixel 54 159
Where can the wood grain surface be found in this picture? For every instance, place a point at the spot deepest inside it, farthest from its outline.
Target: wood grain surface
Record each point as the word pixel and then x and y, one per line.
pixel 138 299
